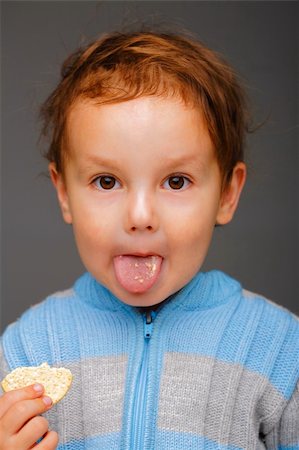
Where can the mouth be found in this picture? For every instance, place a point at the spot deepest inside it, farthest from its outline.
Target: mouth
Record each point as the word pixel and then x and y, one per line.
pixel 137 272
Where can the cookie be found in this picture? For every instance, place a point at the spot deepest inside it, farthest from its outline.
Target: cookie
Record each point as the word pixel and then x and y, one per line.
pixel 56 381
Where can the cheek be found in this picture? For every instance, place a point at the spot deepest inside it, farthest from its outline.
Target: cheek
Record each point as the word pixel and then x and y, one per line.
pixel 191 239
pixel 192 225
pixel 90 217
pixel 92 230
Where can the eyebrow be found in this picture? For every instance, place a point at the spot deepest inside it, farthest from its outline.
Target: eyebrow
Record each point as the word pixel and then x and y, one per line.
pixel 171 162
pixel 185 160
pixel 92 162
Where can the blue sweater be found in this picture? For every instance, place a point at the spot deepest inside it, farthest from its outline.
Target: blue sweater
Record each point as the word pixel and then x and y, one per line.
pixel 214 367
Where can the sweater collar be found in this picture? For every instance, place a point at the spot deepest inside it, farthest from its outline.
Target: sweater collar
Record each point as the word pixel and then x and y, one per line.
pixel 206 290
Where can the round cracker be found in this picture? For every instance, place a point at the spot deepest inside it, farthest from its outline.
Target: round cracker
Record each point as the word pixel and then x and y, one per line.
pixel 56 381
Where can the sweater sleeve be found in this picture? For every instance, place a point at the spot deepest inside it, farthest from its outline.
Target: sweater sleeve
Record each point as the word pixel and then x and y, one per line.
pixel 285 434
pixel 4 369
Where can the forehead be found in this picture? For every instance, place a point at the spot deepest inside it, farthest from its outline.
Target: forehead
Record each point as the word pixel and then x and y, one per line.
pixel 143 109
pixel 149 123
pixel 168 113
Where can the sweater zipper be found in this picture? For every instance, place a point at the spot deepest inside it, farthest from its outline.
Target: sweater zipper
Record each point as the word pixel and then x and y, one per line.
pixel 138 422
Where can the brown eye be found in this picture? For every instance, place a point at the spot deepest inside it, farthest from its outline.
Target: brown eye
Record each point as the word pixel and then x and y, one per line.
pixel 177 182
pixel 105 182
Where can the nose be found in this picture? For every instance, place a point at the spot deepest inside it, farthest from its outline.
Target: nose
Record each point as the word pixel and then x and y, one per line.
pixel 141 212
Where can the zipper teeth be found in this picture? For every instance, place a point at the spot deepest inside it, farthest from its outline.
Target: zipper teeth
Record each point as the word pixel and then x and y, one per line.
pixel 141 408
pixel 139 398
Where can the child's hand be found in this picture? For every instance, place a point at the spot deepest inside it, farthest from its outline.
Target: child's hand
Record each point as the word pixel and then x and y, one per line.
pixel 21 426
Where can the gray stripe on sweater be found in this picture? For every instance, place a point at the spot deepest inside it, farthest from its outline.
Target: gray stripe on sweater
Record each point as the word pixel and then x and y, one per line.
pixel 216 399
pixel 94 404
pixel 288 426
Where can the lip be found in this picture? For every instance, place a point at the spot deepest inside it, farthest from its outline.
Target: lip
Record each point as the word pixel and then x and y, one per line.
pixel 141 254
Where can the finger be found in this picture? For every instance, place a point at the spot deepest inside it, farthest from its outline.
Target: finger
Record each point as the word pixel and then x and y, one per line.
pixel 10 398
pixel 21 412
pixel 31 432
pixel 49 442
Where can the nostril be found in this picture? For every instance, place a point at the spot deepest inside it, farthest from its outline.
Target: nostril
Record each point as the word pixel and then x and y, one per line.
pixel 149 227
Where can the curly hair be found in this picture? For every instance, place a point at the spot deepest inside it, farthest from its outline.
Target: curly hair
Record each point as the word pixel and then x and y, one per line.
pixel 120 66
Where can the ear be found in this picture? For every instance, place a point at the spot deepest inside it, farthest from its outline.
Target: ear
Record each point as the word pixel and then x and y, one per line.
pixel 231 194
pixel 59 184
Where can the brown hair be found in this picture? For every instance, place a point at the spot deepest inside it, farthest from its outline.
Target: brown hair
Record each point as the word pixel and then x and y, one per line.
pixel 121 66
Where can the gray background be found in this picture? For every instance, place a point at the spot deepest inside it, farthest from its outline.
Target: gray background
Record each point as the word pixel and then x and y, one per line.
pixel 260 247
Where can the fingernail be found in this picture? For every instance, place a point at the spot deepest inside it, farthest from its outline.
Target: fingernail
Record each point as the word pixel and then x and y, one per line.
pixel 47 401
pixel 38 387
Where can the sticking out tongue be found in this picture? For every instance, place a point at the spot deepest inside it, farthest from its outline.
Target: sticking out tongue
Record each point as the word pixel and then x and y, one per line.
pixel 137 274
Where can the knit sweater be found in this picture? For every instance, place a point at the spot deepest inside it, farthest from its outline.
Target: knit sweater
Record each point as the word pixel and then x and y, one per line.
pixel 214 367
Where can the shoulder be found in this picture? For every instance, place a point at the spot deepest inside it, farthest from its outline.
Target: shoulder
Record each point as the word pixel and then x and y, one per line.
pixel 273 312
pixel 274 324
pixel 248 302
pixel 31 338
pixel 264 335
pixel 58 301
pixel 273 333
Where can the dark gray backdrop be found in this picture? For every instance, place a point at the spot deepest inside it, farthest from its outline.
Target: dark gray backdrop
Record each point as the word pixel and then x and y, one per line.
pixel 260 39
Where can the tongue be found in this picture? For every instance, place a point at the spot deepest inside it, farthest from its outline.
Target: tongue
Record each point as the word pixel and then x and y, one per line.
pixel 137 274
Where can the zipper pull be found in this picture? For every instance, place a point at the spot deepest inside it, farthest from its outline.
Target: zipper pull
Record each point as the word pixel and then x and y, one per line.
pixel 148 324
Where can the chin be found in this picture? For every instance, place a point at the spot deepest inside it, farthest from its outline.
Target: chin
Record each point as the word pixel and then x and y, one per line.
pixel 138 300
pixel 150 299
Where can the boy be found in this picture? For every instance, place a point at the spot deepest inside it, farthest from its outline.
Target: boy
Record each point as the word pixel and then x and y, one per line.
pixel 147 133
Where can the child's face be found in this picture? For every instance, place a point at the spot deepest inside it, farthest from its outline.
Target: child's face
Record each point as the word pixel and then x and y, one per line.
pixel 142 179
